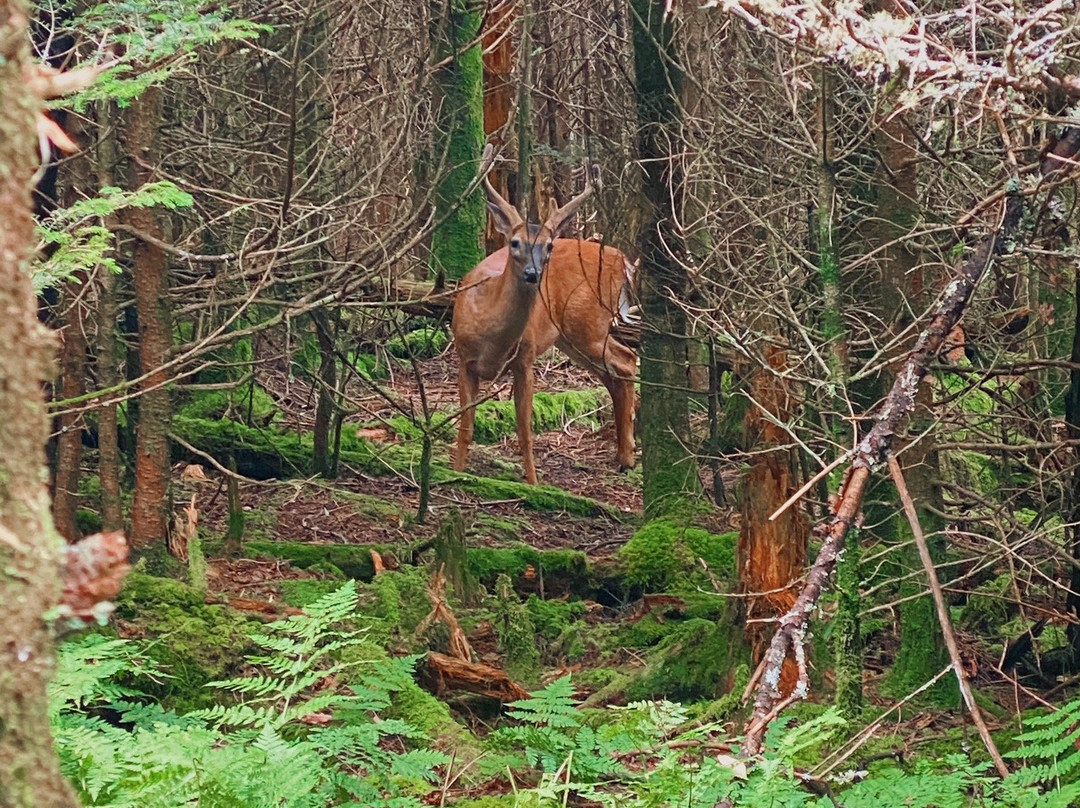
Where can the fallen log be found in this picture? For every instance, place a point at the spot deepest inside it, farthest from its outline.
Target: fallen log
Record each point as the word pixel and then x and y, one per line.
pixel 452 673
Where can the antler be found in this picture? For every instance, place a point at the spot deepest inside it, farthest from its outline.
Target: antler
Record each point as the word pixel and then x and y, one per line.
pixel 506 216
pixel 558 217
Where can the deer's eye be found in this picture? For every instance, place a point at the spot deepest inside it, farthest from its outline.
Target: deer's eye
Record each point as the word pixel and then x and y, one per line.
pixel 548 248
pixel 515 244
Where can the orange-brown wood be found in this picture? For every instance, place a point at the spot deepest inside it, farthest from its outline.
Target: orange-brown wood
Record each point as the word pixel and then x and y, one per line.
pixel 772 555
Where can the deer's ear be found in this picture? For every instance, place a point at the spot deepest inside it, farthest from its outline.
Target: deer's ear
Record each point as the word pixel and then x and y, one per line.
pixel 504 223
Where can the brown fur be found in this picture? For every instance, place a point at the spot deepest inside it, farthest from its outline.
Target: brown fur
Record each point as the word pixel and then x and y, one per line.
pixel 501 322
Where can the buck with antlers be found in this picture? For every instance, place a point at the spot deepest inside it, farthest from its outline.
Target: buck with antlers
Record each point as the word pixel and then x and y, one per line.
pixel 539 291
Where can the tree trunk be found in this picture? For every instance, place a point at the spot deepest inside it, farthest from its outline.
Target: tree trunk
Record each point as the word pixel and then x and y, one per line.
pixel 112 509
pixel 772 553
pixel 325 333
pixel 456 244
pixel 498 46
pixel 29 548
pixel 668 462
pixel 69 425
pixel 150 510
pixel 922 648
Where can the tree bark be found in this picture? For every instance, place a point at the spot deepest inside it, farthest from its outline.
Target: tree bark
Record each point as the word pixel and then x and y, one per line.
pixel 150 510
pixel 668 463
pixel 69 425
pixel 29 548
pixel 498 46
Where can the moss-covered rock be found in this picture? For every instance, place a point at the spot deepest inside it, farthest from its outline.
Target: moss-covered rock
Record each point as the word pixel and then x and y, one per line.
pixel 193 642
pixel 664 551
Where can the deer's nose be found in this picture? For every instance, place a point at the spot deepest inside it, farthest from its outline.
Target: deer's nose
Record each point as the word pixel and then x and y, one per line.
pixel 530 275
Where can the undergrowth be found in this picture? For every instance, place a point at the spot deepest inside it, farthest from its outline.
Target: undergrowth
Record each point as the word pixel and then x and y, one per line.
pixel 311 723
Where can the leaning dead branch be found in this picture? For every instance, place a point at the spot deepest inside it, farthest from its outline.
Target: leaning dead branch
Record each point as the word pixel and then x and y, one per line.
pixel 943 616
pixel 874 449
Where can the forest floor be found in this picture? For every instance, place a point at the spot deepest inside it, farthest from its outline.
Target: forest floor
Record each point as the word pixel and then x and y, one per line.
pixel 364 507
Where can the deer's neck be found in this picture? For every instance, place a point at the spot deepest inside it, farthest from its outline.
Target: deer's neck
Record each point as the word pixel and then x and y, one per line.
pixel 514 300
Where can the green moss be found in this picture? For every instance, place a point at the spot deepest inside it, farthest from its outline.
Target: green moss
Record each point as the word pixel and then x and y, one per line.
pixel 987 608
pixel 192 641
pixel 368 505
pixel 486 563
pixel 235 404
pixel 552 617
pixel 460 218
pixel 534 497
pixel 368 366
pixel 551 411
pixel 663 551
pixel 354 561
pixel 399 600
pixel 506 530
pixel 87 521
pixel 517 636
pixel 691 662
pixel 423 343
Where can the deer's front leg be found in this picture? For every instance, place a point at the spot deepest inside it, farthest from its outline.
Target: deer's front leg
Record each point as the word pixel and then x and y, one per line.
pixel 523 400
pixel 468 391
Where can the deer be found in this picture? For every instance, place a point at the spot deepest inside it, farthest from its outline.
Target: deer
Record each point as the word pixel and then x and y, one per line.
pixel 537 291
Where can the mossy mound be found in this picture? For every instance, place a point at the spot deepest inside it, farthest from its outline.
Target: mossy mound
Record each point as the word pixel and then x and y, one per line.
pixel 664 552
pixel 352 561
pixel 422 343
pixel 192 641
pixel 693 660
pixel 560 572
pixel 551 411
pixel 248 404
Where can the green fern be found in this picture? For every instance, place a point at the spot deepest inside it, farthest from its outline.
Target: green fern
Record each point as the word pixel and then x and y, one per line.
pixel 284 743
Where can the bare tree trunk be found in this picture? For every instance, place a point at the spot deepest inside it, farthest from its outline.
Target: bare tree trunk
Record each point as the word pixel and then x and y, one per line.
pixel 112 508
pixel 29 549
pixel 72 383
pixel 498 45
pixel 150 510
pixel 772 553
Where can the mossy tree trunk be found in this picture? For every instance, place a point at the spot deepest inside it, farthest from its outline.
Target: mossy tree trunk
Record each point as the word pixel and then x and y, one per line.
pixel 151 507
pixel 326 333
pixel 457 243
pixel 669 465
pixel 847 631
pixel 29 547
pixel 922 651
pixel 1072 514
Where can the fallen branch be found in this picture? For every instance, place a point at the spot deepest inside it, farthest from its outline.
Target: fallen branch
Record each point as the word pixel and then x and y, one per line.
pixel 943 616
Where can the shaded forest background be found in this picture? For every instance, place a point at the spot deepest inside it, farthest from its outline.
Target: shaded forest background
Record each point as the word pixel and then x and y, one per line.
pixel 248 254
